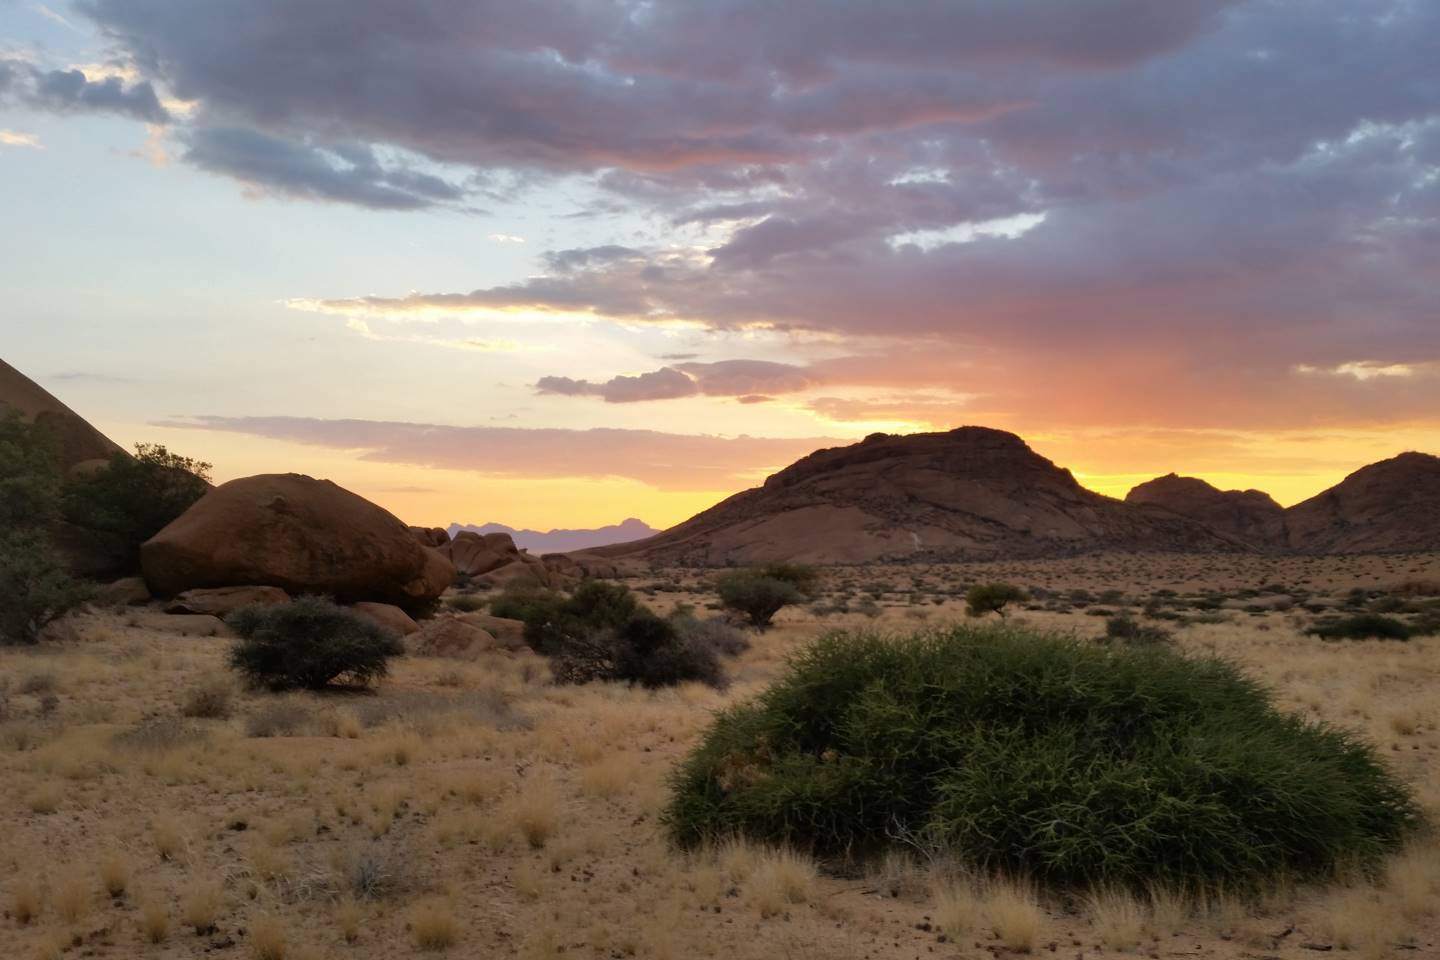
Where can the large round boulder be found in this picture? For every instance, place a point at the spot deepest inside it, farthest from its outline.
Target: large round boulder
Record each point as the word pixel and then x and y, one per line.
pixel 474 554
pixel 299 534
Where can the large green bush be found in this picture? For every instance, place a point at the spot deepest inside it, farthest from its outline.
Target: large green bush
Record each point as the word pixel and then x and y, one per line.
pixel 35 586
pixel 131 499
pixel 1034 753
pixel 310 642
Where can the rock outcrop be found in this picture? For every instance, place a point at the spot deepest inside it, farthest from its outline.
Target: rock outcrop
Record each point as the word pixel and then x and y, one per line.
pixel 1387 507
pixel 970 493
pixel 78 444
pixel 299 534
pixel 1250 516
pixel 223 601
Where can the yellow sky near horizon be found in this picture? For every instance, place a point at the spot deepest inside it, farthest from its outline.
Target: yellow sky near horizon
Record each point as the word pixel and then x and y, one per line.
pixel 1290 467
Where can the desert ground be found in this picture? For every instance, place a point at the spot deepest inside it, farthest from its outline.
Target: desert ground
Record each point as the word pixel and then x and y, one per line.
pixel 155 808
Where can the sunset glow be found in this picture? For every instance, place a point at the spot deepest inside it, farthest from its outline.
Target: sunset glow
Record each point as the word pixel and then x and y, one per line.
pixel 575 262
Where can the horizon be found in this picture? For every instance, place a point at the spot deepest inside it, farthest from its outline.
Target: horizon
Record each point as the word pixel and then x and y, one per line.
pixel 567 263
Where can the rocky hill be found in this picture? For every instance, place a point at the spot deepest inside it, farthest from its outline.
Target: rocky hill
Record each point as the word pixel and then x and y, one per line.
pixel 1390 506
pixel 1250 516
pixel 77 442
pixel 563 540
pixel 972 492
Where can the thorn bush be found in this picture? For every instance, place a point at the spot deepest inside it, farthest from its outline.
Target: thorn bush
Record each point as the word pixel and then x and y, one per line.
pixel 1042 755
pixel 310 642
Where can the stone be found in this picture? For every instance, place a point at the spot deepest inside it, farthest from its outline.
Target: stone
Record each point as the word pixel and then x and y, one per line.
pixel 299 534
pixel 222 601
pixel 388 616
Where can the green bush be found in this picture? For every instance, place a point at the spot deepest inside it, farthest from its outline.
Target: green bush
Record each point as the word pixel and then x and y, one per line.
pixel 29 476
pixel 1364 626
pixel 133 498
pixel 986 598
pixel 1039 754
pixel 309 642
pixel 756 596
pixel 35 586
pixel 1123 629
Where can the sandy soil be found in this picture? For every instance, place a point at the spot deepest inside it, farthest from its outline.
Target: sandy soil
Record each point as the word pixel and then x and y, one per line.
pixel 474 808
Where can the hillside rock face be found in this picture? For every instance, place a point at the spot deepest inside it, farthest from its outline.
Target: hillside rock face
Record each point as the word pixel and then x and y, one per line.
pixel 78 443
pixel 1250 516
pixel 1390 506
pixel 299 534
pixel 969 493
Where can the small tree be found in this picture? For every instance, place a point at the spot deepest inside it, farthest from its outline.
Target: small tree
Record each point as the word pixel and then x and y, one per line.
pixel 133 498
pixel 986 598
pixel 757 596
pixel 29 476
pixel 310 642
pixel 35 586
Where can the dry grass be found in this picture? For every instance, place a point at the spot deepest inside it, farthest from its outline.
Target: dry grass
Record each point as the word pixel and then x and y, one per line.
pixel 1117 916
pixel 959 907
pixel 154 919
pixel 434 925
pixel 202 905
pixel 523 816
pixel 780 879
pixel 115 872
pixel 46 798
pixel 1013 914
pixel 27 898
pixel 71 893
pixel 268 940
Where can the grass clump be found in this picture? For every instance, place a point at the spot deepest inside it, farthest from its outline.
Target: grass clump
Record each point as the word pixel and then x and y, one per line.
pixel 1363 626
pixel 1039 755
pixel 310 642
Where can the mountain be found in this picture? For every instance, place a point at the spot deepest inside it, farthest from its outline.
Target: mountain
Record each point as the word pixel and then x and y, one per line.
pixel 565 541
pixel 76 440
pixel 1247 515
pixel 972 492
pixel 1390 506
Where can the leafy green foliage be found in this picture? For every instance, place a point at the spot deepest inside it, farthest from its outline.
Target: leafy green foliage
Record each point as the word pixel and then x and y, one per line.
pixel 133 498
pixel 1126 630
pixel 986 598
pixel 756 596
pixel 35 586
pixel 309 642
pixel 601 632
pixel 1363 626
pixel 29 477
pixel 1039 754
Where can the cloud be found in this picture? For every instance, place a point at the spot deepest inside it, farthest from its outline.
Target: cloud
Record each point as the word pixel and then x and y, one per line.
pixel 666 461
pixel 723 378
pixel 72 91
pixel 348 173
pixel 15 138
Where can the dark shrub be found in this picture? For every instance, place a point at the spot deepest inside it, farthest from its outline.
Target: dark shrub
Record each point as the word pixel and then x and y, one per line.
pixel 465 603
pixel 29 476
pixel 986 598
pixel 523 603
pixel 35 586
pixel 804 578
pixel 1364 626
pixel 756 596
pixel 1126 630
pixel 1041 755
pixel 133 498
pixel 599 604
pixel 310 642
pixel 644 649
pixel 715 633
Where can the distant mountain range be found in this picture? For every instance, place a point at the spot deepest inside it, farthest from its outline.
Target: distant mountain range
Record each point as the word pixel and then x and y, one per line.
pixel 564 541
pixel 977 493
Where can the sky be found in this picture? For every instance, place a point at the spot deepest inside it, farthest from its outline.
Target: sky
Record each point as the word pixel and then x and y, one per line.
pixel 561 262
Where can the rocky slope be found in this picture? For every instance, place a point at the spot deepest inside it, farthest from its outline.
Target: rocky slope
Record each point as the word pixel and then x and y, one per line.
pixel 1390 506
pixel 563 540
pixel 77 442
pixel 1250 516
pixel 968 493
